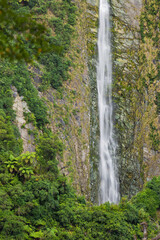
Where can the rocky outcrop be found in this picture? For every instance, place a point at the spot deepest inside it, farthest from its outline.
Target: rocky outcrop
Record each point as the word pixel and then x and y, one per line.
pixel 20 107
pixel 126 41
pixel 151 160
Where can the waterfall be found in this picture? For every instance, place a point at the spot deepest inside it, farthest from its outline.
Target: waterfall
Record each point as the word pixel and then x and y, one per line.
pixel 109 190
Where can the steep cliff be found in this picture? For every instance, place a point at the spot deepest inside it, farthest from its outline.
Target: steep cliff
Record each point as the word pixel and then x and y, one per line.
pixel 126 42
pixel 58 93
pixel 135 95
pixel 69 109
pixel 49 123
pixel 63 83
pixel 135 50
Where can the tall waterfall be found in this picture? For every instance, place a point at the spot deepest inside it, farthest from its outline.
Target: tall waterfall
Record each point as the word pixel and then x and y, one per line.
pixel 108 181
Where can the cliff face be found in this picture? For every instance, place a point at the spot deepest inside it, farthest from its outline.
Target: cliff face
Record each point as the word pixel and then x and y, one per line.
pixel 135 92
pixel 73 111
pixel 135 96
pixel 70 111
pixel 20 107
pixel 126 42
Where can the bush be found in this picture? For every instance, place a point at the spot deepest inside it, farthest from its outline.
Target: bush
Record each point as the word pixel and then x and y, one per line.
pixel 48 148
pixel 22 81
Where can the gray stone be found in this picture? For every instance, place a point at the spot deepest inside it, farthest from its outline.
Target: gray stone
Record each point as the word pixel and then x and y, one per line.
pixel 20 107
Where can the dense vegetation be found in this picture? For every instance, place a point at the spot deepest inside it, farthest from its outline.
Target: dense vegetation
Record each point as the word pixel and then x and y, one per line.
pixel 36 200
pixel 149 30
pixel 21 36
pixel 60 19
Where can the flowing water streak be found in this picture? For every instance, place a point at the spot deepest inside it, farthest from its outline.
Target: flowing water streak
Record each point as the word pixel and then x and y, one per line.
pixel 108 180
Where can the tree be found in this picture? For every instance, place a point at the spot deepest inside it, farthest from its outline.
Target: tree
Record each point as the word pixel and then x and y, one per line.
pixel 21 36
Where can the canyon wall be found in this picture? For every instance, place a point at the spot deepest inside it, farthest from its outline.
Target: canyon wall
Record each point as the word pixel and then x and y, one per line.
pixel 73 111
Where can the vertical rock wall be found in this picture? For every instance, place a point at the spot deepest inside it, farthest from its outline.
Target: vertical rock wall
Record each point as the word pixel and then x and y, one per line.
pixel 20 108
pixel 126 41
pixel 70 109
pixel 136 118
pixel 94 120
pixel 73 111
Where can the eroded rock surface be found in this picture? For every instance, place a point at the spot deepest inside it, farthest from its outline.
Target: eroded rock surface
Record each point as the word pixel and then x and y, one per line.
pixel 20 107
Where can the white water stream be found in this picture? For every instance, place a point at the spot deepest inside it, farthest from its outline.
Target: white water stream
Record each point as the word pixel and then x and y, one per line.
pixel 109 187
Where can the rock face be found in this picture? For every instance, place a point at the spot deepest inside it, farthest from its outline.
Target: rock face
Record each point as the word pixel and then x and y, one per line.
pixel 132 9
pixel 70 110
pixel 125 59
pixel 93 2
pixel 73 112
pixel 125 41
pixel 94 119
pixel 151 160
pixel 136 120
pixel 20 107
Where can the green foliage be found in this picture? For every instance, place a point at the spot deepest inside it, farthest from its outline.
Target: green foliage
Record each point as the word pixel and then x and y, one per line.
pixel 22 81
pixel 149 198
pixel 154 185
pixel 148 23
pixel 27 158
pixel 48 149
pixel 144 200
pixel 26 172
pixel 44 207
pixel 56 69
pixel 19 76
pixel 21 37
pixel 12 164
pixel 57 65
pixel 22 165
pixel 158 100
pixel 6 99
pixel 154 136
pixel 30 43
pixel 149 30
pixel 13 226
pixel 36 201
pixel 8 141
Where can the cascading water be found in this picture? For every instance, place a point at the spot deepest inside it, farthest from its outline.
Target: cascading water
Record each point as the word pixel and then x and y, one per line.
pixel 109 190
